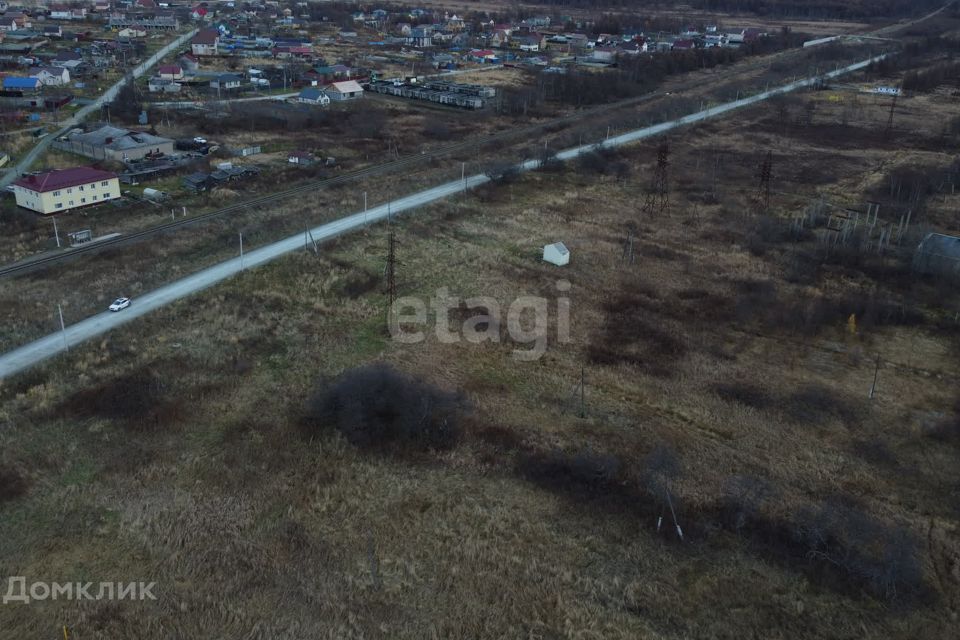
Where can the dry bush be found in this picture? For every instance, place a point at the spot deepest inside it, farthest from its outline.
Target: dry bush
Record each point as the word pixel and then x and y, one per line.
pixel 376 406
pixel 744 393
pixel 813 404
pixel 13 484
pixel 948 428
pixel 583 473
pixel 137 400
pixel 358 282
pixel 883 558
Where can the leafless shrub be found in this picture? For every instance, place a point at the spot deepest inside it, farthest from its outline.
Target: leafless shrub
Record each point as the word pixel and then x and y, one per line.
pixel 884 557
pixel 12 483
pixel 376 406
pixel 743 497
pixel 947 429
pixel 744 393
pixel 813 404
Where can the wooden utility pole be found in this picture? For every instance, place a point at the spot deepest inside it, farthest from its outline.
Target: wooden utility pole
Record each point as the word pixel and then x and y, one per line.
pixel 583 399
pixel 391 269
pixel 893 109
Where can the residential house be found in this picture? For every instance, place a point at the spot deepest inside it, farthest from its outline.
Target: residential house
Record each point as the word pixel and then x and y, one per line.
pixel 61 12
pixel 500 38
pixel 189 62
pixel 52 31
pixel 52 76
pixel 198 13
pixel 529 42
pixel 313 95
pixel 328 74
pixel 226 82
pixel 157 84
pixel 421 37
pixel 16 22
pixel 64 56
pixel 65 189
pixel 133 31
pixel 342 91
pixel 482 55
pixel 205 42
pixel 604 54
pixel 752 33
pixel 683 44
pixel 170 72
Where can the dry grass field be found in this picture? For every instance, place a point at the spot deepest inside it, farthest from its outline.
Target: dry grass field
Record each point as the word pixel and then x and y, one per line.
pixel 727 372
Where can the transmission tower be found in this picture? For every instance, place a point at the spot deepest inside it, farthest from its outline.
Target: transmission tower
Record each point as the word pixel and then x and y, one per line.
pixel 893 109
pixel 658 198
pixel 761 200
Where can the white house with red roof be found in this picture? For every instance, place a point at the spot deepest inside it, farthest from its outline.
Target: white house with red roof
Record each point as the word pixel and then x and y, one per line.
pixel 65 189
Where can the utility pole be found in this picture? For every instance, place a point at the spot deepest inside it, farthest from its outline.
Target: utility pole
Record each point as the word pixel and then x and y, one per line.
pixel 56 233
pixel 63 327
pixel 391 270
pixel 893 109
pixel 628 248
pixel 463 175
pixel 241 251
pixel 583 399
pixel 876 375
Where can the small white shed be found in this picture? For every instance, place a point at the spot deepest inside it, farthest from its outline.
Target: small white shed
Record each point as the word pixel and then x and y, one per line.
pixel 556 253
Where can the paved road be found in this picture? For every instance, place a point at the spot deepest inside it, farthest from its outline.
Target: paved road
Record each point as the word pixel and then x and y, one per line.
pixel 27 160
pixel 39 350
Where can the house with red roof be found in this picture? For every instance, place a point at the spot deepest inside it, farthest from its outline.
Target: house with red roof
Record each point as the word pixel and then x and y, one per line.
pixel 170 72
pixel 65 189
pixel 205 42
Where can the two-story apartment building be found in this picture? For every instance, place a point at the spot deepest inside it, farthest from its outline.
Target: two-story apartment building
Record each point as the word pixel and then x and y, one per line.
pixel 65 189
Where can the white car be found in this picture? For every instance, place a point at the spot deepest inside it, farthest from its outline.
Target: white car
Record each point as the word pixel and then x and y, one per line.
pixel 119 304
pixel 200 140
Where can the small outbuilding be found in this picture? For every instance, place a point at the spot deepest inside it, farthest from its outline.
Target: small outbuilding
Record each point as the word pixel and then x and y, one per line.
pixel 556 253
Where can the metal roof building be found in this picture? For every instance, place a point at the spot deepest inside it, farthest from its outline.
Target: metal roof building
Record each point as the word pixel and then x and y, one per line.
pixel 114 143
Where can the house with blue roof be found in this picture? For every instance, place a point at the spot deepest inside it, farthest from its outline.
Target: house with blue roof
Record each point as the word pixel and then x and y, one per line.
pixel 16 83
pixel 313 95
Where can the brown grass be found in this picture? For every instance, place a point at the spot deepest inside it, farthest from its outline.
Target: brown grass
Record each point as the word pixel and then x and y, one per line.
pixel 540 522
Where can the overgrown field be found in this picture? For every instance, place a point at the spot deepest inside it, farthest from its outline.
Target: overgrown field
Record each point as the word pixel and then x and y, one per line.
pixel 281 468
